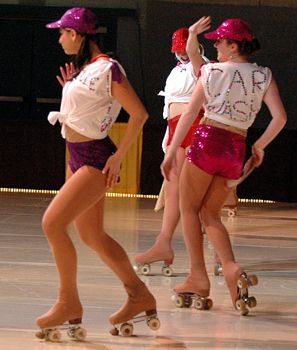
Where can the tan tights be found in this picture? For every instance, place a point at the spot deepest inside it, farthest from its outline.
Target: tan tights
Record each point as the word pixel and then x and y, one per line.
pixel 81 200
pixel 205 194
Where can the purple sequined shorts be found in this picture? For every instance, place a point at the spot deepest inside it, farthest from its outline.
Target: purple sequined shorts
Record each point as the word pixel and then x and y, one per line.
pixel 93 153
pixel 218 151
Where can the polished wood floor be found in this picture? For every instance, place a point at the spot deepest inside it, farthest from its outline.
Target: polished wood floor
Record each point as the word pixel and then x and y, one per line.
pixel 264 237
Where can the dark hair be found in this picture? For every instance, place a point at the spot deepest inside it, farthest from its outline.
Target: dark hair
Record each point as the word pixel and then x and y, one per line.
pixel 84 53
pixel 246 48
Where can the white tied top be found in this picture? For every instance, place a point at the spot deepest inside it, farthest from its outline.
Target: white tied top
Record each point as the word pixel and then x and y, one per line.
pixel 234 92
pixel 87 104
pixel 179 86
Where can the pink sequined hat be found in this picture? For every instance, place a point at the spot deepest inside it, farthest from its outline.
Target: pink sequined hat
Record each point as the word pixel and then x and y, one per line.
pixel 80 19
pixel 179 39
pixel 233 29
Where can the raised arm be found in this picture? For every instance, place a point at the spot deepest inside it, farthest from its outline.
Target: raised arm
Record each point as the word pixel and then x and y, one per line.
pixel 192 47
pixel 279 118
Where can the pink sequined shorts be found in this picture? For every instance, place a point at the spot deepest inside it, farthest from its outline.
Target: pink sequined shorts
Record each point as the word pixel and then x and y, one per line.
pixel 218 151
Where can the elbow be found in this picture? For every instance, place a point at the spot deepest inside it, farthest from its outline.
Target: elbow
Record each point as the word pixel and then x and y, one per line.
pixel 285 119
pixel 145 117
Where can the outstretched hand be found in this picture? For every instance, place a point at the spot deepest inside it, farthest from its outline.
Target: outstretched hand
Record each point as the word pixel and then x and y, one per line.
pixel 201 25
pixel 67 73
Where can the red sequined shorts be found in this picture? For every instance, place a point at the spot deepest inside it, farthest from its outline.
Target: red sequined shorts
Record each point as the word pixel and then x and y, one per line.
pixel 172 124
pixel 218 151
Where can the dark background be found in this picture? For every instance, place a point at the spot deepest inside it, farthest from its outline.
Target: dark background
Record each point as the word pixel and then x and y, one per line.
pixel 32 151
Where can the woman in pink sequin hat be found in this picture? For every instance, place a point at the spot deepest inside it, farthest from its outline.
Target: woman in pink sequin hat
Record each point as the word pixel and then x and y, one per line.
pixel 177 93
pixel 232 92
pixel 95 87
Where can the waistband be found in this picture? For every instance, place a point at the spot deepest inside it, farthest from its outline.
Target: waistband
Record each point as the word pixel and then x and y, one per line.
pixel 208 121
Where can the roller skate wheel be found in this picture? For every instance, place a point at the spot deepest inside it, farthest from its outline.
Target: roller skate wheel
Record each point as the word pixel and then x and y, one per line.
pixel 145 269
pixel 53 336
pixel 80 334
pixel 40 335
pixel 126 329
pixel 240 304
pixel 209 304
pixel 242 283
pixel 167 271
pixel 114 331
pixel 252 302
pixel 231 213
pixel 154 323
pixel 135 268
pixel 253 280
pixel 179 301
pixel 198 304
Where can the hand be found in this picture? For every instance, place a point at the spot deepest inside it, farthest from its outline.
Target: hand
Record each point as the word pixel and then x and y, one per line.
pixel 67 73
pixel 112 170
pixel 168 165
pixel 258 155
pixel 200 26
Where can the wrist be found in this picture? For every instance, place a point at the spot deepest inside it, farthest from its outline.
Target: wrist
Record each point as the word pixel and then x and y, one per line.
pixel 258 148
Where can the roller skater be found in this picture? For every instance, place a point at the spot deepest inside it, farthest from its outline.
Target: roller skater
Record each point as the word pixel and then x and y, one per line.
pixel 179 87
pixel 232 92
pixel 95 88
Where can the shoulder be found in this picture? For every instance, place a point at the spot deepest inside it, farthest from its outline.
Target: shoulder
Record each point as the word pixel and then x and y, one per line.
pixel 103 66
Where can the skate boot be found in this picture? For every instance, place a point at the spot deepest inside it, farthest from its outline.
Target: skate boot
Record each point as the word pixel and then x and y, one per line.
pixel 158 252
pixel 140 306
pixel 238 287
pixel 187 294
pixel 61 316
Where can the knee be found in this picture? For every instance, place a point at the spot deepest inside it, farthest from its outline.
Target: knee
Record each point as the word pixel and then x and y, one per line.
pixel 209 216
pixel 51 225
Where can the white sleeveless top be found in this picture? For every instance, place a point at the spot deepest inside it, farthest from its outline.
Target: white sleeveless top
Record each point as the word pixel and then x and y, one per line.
pixel 234 92
pixel 87 104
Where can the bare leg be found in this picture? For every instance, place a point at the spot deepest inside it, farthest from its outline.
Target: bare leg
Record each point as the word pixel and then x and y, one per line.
pixel 162 249
pixel 193 185
pixel 90 227
pixel 213 202
pixel 81 198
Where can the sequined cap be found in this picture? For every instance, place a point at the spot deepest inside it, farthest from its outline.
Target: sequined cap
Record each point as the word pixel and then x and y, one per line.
pixel 80 19
pixel 179 40
pixel 233 29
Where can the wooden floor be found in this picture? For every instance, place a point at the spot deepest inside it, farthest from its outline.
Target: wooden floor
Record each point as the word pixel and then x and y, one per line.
pixel 264 237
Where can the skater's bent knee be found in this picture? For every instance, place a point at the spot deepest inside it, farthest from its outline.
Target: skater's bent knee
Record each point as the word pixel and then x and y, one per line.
pixel 209 216
pixel 52 225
